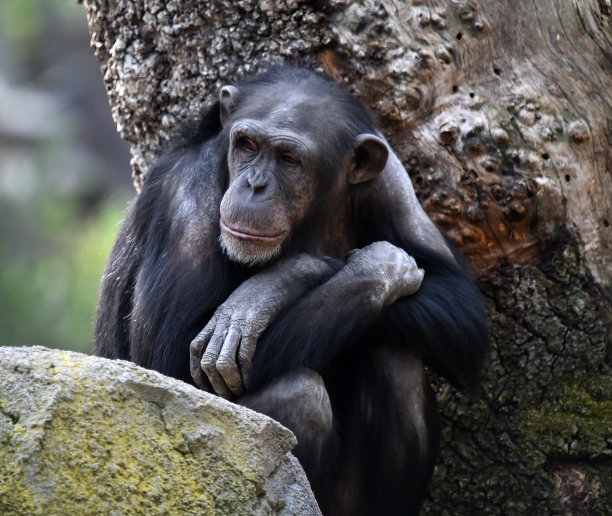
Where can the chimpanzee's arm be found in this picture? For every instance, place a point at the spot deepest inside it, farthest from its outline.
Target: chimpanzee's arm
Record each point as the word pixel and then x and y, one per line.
pixel 442 321
pixel 221 354
pixel 112 315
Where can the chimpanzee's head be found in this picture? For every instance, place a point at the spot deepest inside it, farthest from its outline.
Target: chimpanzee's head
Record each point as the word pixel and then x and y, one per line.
pixel 294 139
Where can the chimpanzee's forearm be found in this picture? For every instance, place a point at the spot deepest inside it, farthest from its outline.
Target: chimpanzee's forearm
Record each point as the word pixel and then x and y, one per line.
pixel 316 328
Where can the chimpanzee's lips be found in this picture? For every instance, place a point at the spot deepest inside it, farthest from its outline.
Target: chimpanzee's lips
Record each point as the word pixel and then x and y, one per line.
pixel 250 234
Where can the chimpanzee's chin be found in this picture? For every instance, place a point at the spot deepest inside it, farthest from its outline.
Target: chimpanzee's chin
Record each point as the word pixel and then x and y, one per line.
pixel 249 252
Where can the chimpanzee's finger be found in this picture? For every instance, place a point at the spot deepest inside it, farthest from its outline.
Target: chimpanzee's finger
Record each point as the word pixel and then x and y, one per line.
pixel 412 282
pixel 196 350
pixel 197 374
pixel 226 363
pixel 209 362
pixel 245 357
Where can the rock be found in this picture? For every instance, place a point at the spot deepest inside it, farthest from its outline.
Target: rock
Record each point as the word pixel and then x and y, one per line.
pixel 86 435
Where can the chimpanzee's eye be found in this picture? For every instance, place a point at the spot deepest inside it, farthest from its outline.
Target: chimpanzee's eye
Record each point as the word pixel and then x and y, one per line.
pixel 246 143
pixel 289 158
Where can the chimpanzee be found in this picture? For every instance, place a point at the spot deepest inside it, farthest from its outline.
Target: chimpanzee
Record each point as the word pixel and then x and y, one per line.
pixel 278 256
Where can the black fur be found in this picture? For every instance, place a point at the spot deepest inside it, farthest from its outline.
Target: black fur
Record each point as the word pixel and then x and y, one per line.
pixel 155 300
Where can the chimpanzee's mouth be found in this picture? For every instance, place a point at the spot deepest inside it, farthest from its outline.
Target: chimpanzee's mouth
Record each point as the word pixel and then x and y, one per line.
pixel 251 234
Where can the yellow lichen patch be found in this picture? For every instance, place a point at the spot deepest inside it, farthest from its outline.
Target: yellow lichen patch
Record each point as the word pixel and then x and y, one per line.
pixel 82 435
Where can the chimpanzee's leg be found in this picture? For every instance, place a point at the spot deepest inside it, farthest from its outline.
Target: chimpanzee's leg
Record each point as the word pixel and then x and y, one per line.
pixel 377 453
pixel 387 423
pixel 299 401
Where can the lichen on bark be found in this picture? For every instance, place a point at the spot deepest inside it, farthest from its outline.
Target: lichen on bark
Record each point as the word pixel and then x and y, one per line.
pixel 162 62
pixel 545 398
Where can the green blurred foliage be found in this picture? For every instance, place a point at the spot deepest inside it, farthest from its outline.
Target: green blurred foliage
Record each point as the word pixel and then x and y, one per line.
pixel 57 222
pixel 49 283
pixel 22 20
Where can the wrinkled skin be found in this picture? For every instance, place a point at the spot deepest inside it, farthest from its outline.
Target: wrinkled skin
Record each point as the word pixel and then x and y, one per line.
pixel 269 193
pixel 222 353
pixel 224 350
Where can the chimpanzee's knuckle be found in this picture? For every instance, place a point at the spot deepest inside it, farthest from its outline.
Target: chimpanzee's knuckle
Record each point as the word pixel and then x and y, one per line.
pixel 195 347
pixel 210 371
pixel 356 254
pixel 402 254
pixel 224 367
pixel 225 362
pixel 238 320
pixel 248 327
pixel 209 362
pixel 212 322
pixel 221 318
pixel 389 248
pixel 258 325
pixel 398 258
pixel 410 265
pixel 228 373
pixel 245 354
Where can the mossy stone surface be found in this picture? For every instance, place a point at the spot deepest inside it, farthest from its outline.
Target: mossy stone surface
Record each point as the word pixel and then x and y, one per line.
pixel 85 435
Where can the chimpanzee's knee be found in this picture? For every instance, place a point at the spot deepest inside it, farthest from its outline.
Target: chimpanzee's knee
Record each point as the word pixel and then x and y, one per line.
pixel 299 401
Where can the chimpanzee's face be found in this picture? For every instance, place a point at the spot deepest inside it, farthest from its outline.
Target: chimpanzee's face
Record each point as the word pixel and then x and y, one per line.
pixel 283 150
pixel 273 181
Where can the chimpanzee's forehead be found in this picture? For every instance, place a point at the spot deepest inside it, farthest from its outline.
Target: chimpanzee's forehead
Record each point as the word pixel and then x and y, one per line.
pixel 300 110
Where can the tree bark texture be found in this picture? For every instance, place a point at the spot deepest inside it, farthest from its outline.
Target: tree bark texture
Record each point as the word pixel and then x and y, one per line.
pixel 502 114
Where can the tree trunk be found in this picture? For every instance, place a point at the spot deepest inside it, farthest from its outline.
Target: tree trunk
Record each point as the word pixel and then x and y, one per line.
pixel 502 113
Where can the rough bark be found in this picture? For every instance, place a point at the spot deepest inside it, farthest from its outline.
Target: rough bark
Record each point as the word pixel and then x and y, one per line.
pixel 502 114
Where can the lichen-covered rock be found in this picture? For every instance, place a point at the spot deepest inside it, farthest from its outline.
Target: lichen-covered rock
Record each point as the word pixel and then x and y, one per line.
pixel 86 435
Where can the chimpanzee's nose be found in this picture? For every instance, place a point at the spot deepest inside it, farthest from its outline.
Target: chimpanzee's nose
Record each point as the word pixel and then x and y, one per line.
pixel 257 180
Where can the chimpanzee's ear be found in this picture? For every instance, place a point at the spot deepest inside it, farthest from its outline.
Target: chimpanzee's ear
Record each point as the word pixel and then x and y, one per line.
pixel 228 99
pixel 369 157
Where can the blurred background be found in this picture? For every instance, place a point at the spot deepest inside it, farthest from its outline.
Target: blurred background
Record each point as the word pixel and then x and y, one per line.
pixel 64 176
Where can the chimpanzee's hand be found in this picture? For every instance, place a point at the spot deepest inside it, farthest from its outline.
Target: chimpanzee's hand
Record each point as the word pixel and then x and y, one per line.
pixel 222 353
pixel 225 347
pixel 392 272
